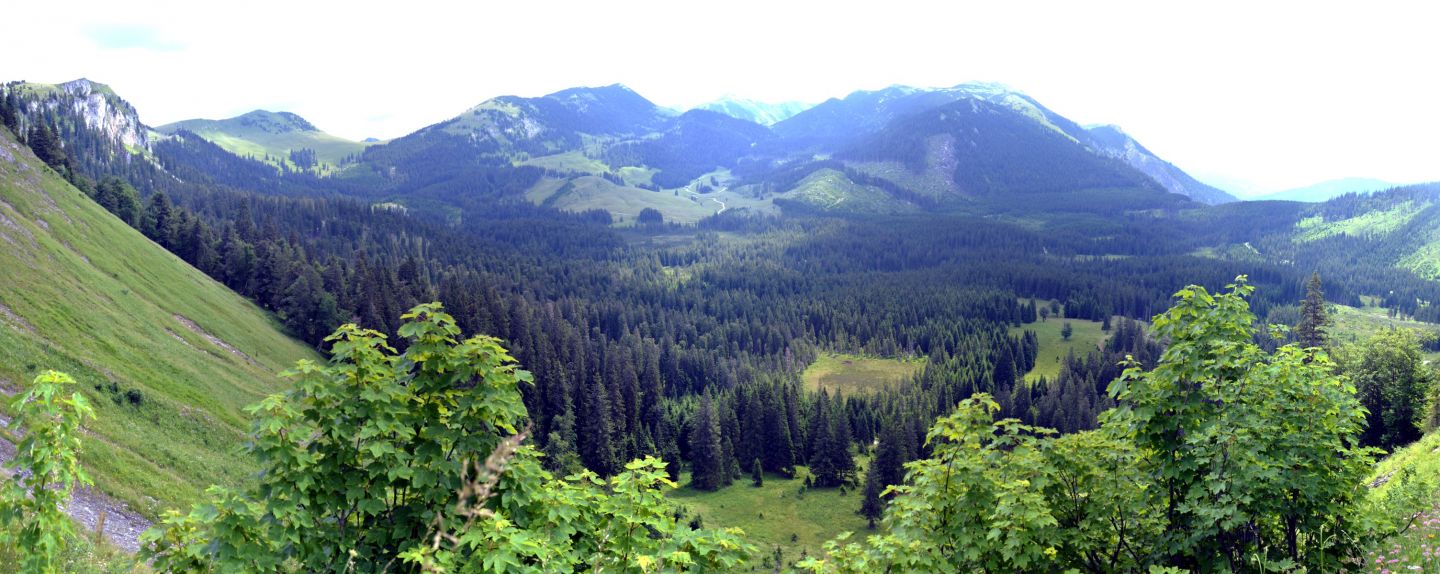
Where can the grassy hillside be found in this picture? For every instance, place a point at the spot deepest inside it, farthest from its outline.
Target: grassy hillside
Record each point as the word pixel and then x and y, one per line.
pixel 168 356
pixel 831 190
pixel 1354 325
pixel 1405 490
pixel 260 133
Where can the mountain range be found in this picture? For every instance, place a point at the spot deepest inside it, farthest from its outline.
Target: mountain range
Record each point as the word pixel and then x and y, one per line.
pixel 763 113
pixel 610 148
pixel 1326 190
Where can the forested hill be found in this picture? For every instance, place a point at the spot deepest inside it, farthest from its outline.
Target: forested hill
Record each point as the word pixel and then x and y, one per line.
pixel 168 356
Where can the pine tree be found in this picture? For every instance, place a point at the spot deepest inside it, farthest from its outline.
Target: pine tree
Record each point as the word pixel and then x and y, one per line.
pixel 871 507
pixel 46 146
pixel 709 469
pixel 560 455
pixel 778 448
pixel 1311 330
pixel 597 448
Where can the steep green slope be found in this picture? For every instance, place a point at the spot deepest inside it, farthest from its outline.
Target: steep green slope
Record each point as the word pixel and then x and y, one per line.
pixel 168 356
pixel 261 134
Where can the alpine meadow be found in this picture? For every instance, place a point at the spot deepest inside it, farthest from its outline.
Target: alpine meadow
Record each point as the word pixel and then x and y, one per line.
pixel 805 316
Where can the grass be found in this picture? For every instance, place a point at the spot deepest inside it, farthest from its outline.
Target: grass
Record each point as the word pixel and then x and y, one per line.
pixel 1053 347
pixel 1405 488
pixel 248 141
pixel 831 190
pixel 852 374
pixel 1368 224
pixel 777 514
pixel 624 202
pixel 101 302
pixel 83 555
pixel 931 182
pixel 1357 324
pixel 569 161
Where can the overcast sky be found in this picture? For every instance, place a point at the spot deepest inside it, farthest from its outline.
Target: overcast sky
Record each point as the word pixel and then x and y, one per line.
pixel 1255 96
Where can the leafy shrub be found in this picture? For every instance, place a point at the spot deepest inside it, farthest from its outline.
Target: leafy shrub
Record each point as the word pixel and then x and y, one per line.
pixel 32 516
pixel 375 460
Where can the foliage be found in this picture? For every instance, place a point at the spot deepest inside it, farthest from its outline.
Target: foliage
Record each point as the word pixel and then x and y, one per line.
pixel 1220 458
pixel 363 457
pixel 1394 384
pixel 977 504
pixel 32 515
pixel 1256 456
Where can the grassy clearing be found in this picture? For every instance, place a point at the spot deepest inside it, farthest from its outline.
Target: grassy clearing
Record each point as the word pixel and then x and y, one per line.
pixel 830 190
pixel 853 374
pixel 623 202
pixel 85 294
pixel 568 161
pixel 1054 348
pixel 777 514
pixel 1369 224
pixel 1355 325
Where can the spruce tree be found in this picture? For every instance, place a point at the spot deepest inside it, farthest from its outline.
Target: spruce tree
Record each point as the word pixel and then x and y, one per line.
pixel 709 469
pixel 597 448
pixel 560 455
pixel 871 507
pixel 1311 330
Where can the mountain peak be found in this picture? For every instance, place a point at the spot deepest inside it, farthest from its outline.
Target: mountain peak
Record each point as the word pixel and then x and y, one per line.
pixel 85 87
pixel 275 122
pixel 985 88
pixel 596 92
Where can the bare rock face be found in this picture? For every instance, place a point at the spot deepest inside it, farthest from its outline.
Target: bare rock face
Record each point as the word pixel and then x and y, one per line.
pixel 106 113
pixel 84 103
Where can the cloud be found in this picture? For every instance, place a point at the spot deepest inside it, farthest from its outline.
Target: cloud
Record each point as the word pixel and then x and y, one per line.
pixel 121 37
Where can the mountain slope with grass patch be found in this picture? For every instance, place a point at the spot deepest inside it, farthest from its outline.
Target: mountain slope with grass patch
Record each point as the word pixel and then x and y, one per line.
pixel 281 138
pixel 168 356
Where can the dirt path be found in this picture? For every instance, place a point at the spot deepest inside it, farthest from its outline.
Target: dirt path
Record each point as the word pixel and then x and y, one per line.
pixel 122 525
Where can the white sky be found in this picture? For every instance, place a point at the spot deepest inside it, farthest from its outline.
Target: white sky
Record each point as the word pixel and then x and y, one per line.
pixel 1256 96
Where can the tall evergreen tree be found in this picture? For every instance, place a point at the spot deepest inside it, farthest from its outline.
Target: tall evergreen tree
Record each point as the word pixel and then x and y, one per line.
pixel 1311 330
pixel 886 469
pixel 778 449
pixel 597 441
pixel 560 455
pixel 709 469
